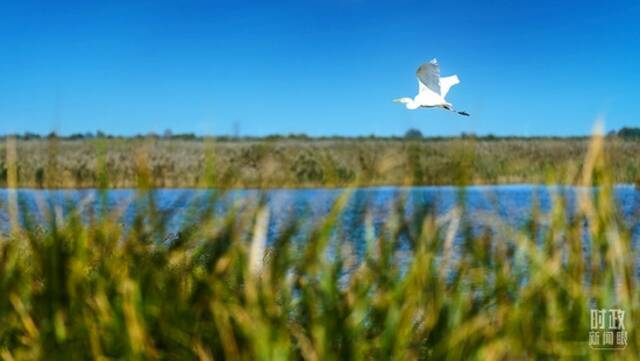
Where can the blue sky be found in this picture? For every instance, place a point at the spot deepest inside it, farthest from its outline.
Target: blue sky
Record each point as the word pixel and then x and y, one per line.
pixel 318 67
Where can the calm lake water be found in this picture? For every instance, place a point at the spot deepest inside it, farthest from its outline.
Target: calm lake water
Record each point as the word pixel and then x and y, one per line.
pixel 511 204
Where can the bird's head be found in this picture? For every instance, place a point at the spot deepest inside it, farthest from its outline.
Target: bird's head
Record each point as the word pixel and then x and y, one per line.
pixel 409 103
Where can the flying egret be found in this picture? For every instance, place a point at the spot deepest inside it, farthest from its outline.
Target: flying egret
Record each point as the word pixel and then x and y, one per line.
pixel 431 89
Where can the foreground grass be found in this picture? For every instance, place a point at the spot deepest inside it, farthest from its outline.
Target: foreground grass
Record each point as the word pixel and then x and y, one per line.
pixel 307 163
pixel 85 286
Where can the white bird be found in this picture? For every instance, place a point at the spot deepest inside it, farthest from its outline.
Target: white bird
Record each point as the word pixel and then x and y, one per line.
pixel 431 89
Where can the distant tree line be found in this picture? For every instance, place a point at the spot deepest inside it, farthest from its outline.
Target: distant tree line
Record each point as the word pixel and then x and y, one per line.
pixel 628 132
pixel 410 134
pixel 167 134
pixel 102 135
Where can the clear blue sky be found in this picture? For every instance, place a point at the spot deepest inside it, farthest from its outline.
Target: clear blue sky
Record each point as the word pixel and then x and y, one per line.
pixel 320 67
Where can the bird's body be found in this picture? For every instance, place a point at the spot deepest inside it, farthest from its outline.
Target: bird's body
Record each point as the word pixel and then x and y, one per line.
pixel 432 89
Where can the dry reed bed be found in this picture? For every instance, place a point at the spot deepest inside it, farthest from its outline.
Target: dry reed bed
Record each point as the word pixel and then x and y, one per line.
pixel 294 163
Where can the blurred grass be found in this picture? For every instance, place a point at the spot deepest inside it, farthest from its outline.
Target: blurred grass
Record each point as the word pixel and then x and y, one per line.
pixel 174 163
pixel 84 286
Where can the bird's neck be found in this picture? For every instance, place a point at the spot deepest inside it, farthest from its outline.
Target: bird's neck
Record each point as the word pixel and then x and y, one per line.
pixel 412 105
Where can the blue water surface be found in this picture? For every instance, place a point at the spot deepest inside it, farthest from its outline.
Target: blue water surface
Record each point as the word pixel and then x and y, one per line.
pixel 510 204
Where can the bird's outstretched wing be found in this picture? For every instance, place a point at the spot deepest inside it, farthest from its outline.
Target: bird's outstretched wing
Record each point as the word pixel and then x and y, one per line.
pixel 429 75
pixel 446 83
